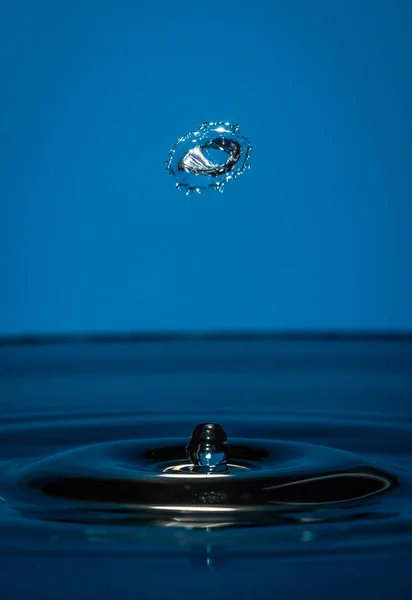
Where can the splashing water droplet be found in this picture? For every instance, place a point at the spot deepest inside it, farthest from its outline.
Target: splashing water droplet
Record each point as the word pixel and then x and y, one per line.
pixel 209 157
pixel 208 446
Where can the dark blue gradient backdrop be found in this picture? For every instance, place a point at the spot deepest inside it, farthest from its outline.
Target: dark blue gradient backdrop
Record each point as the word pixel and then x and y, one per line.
pixel 93 234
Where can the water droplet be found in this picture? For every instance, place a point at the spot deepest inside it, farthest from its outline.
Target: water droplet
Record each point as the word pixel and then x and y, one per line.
pixel 209 157
pixel 208 446
pixel 209 458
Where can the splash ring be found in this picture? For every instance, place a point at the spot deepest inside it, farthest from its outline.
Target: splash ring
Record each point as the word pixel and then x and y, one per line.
pixel 192 160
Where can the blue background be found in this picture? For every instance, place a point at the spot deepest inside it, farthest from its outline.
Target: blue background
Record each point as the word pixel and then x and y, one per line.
pixel 93 234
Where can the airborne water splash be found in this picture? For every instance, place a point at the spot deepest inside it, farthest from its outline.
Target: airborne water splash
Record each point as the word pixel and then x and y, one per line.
pixel 209 157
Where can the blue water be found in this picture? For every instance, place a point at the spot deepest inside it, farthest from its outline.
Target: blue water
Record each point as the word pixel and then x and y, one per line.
pixel 84 407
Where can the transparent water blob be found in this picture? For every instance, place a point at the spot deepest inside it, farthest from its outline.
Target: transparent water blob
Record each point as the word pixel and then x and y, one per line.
pixel 208 158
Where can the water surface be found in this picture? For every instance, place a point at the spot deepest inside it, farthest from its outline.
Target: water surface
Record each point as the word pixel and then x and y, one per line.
pixel 121 410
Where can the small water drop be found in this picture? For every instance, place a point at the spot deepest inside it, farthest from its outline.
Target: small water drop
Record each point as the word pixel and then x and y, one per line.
pixel 208 446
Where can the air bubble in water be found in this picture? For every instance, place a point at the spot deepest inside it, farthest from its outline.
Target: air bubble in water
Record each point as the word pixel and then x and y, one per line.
pixel 208 158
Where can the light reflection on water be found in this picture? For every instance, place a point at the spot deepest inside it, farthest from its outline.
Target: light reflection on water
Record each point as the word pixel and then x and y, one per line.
pixel 322 406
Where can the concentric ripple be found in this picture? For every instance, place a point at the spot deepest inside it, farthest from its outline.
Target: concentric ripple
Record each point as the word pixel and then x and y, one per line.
pixel 93 457
pixel 114 491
